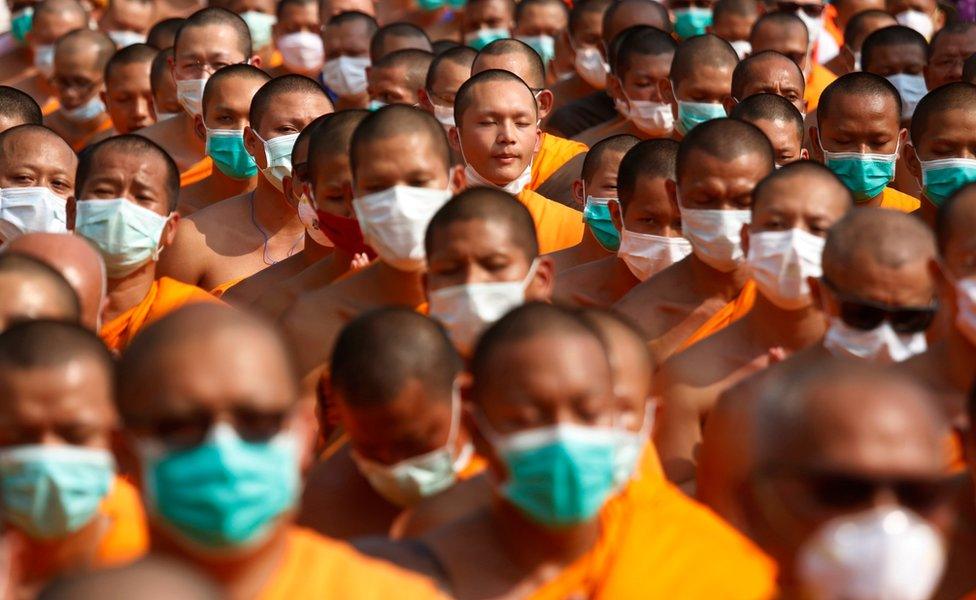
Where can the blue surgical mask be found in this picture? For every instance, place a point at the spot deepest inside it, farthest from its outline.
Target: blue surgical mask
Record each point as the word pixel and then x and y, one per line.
pixel 375 105
pixel 20 23
pixel 126 234
pixel 481 38
pixel 596 215
pixel 691 21
pixel 226 148
pixel 51 491
pixel 691 114
pixel 866 175
pixel 225 493
pixel 259 24
pixel 544 45
pixel 944 177
pixel 277 151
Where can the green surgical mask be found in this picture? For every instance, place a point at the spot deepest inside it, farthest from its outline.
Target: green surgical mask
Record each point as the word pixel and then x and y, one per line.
pixel 866 175
pixel 226 148
pixel 943 177
pixel 596 215
pixel 259 24
pixel 691 114
pixel 21 22
pixel 691 21
pixel 126 235
pixel 544 46
pixel 481 38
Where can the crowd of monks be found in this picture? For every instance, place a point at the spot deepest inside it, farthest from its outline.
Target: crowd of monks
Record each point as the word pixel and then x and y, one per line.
pixel 487 299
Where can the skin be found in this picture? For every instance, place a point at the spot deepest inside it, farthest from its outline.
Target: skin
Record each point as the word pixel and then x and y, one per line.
pixel 128 15
pixel 787 141
pixel 31 159
pixel 348 39
pixel 547 19
pixel 705 84
pixel 586 34
pixel 164 97
pixel 791 42
pixel 948 135
pixel 128 97
pixel 775 76
pixel 848 8
pixel 672 305
pixel 331 8
pixel 731 27
pixel 487 14
pixel 448 80
pixel 294 19
pixel 27 299
pixel 210 248
pixel 46 28
pixel 843 63
pixel 389 85
pixel 78 78
pixel 946 58
pixel 902 58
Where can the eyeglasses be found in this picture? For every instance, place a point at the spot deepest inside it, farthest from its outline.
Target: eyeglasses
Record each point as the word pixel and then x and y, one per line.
pixel 866 315
pixel 196 69
pixel 65 84
pixel 811 10
pixel 187 431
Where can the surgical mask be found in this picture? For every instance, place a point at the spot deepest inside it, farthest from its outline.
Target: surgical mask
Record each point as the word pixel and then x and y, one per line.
pixel 467 310
pixel 44 59
pixel 884 552
pixel 259 24
pixel 394 222
pixel 165 116
pixel 941 178
pixel 277 151
pixel 656 119
pixel 444 114
pixel 544 46
pixel 966 308
pixel 409 481
pixel 911 88
pixel 189 93
pixel 20 23
pixel 344 232
pixel 646 254
pixel 310 219
pixel 225 493
pixel 596 215
pixel 302 51
pixel 742 48
pixel 881 344
pixel 591 67
pixel 124 38
pixel 226 148
pixel 623 108
pixel 814 25
pixel 691 114
pixel 866 175
pixel 375 105
pixel 780 263
pixel 52 491
pixel 31 210
pixel 917 20
pixel 126 234
pixel 691 21
pixel 484 36
pixel 89 111
pixel 629 447
pixel 716 236
pixel 346 75
pixel 514 187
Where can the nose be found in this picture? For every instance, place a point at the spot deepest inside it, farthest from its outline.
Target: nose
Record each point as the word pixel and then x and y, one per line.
pixel 884 496
pixel 506 133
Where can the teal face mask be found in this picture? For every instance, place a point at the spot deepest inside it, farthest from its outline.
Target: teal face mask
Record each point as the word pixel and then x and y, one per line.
pixel 481 38
pixel 596 215
pixel 866 175
pixel 375 105
pixel 52 491
pixel 691 114
pixel 126 234
pixel 226 148
pixel 432 5
pixel 691 21
pixel 225 493
pixel 21 22
pixel 944 177
pixel 544 46
pixel 260 25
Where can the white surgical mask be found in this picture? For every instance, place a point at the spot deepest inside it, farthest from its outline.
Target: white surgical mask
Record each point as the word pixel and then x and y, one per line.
pixel 630 445
pixel 780 263
pixel 189 93
pixel 467 310
pixel 124 38
pixel 310 219
pixel 474 178
pixel 277 151
pixel 44 59
pixel 646 254
pixel 302 51
pixel 623 109
pixel 394 222
pixel 591 67
pixel 346 75
pixel 444 114
pixel 653 118
pixel 165 116
pixel 716 235
pixel 260 25
pixel 85 113
pixel 911 88
pixel 917 20
pixel 966 308
pixel 31 210
pixel 881 344
pixel 126 235
pixel 885 552
pixel 742 48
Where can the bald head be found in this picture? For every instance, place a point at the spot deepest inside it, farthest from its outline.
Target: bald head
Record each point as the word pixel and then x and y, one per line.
pixel 956 218
pixel 813 181
pixel 875 236
pixel 651 158
pixel 333 136
pixel 50 343
pixel 459 57
pixel 514 56
pixel 82 41
pixel 397 36
pixel 724 139
pixel 30 289
pixel 761 72
pixel 413 63
pixel 488 205
pixel 398 119
pixel 76 260
pixel 264 100
pixel 700 52
pixel 600 151
pixel 70 11
pixel 628 13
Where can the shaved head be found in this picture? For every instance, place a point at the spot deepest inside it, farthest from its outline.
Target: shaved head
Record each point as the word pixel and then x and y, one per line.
pixel 958 95
pixel 702 51
pixel 25 140
pixel 81 40
pixel 875 235
pixel 17 108
pixel 395 37
pixel 489 205
pixel 132 145
pixel 863 86
pixel 624 341
pixel 334 135
pixel 264 99
pixel 802 174
pixel 398 119
pixel 30 289
pixel 232 72
pixel 628 13
pixel 47 343
pixel 415 64
pixel 617 144
pixel 724 139
pixel 461 56
pixel 64 8
pixel 650 158
pixel 757 66
pixel 954 214
pixel 514 56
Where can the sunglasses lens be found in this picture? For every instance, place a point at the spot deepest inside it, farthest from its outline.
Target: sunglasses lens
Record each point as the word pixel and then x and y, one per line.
pixel 912 320
pixel 860 316
pixel 921 496
pixel 841 492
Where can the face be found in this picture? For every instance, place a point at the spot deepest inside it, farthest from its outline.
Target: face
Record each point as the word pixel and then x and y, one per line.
pixel 891 60
pixel 498 132
pixel 651 210
pixel 856 123
pixel 849 8
pixel 69 404
pixel 349 39
pixel 47 27
pixel 295 18
pixel 329 180
pixel 115 174
pixel 288 114
pixel 959 255
pixel 27 299
pixel 38 161
pixel 127 15
pixel 786 138
pixel 643 78
pixel 389 85
pixel 128 97
pixel 331 8
pixel 405 159
pixel 548 19
pixel 164 98
pixel 718 184
pixel 450 76
pixel 488 14
pixel 791 42
pixel 202 51
pixel 910 286
pixel 77 77
pixel 733 28
pixel 603 182
pixel 229 102
pixel 949 134
pixel 775 77
pixel 629 15
pixel 588 31
pixel 294 184
pixel 711 85
pixel 797 204
pixel 946 57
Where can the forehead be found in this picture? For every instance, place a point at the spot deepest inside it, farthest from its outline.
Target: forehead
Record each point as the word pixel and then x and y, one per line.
pixel 216 37
pixel 389 74
pixel 953 42
pixel 750 165
pixel 650 193
pixel 79 390
pixel 548 364
pixel 297 11
pixel 775 69
pixel 497 96
pixel 78 54
pixel 235 90
pixel 403 152
pixel 129 165
pixel 510 61
pixel 779 131
pixel 643 63
pixel 488 7
pixel 804 195
pixel 130 72
pixel 297 104
pixel 491 235
pixel 547 11
pixel 770 36
pixel 898 53
pixel 31 147
pixel 859 108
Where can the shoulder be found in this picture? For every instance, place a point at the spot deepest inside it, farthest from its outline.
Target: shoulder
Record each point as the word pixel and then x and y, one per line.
pixel 554 143
pixel 894 199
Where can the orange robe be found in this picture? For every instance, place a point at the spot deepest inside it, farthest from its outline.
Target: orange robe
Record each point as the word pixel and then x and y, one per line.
pixel 819 79
pixel 830 25
pixel 895 200
pixel 221 289
pixel 317 567
pixel 553 153
pixel 83 142
pixel 556 225
pixel 50 107
pixel 728 314
pixel 165 296
pixel 197 172
pixel 128 536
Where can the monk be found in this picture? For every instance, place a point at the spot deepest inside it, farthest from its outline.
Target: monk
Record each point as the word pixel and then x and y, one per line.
pixel 650 230
pixel 485 21
pixel 226 242
pixel 858 137
pixel 61 491
pixel 768 72
pixel 700 82
pixel 447 72
pixel 37 176
pixel 715 173
pixel 779 119
pixel 228 399
pixel 581 42
pixel 126 203
pixel 732 20
pixel 398 77
pixel 643 59
pixel 395 37
pixel 792 209
pixel 328 177
pixel 948 49
pixel 398 402
pixel 30 290
pixel 127 22
pixel 210 39
pixel 298 38
pixel 942 148
pixel 162 35
pixel 544 364
pixel 346 38
pixel 128 92
pixel 788 34
pixel 557 160
pixel 839 439
pixel 332 8
pixel 858 27
pixel 594 191
pixel 165 104
pixel 500 154
pixel 79 80
pixel 17 108
pixel 221 122
pixel 77 261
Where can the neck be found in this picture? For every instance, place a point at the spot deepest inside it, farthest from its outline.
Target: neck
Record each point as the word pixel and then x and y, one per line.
pixel 791 330
pixel 271 210
pixel 589 249
pixel 407 286
pixel 187 131
pixel 313 252
pixel 76 551
pixel 927 211
pixel 530 545
pixel 712 282
pixel 228 187
pixel 128 291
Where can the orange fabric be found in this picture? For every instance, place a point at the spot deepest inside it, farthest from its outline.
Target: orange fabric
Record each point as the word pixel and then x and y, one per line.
pixel 557 226
pixel 475 467
pixel 553 153
pixel 50 107
pixel 895 200
pixel 655 542
pixel 83 142
pixel 197 172
pixel 831 26
pixel 128 537
pixel 955 453
pixel 728 314
pixel 165 296
pixel 819 79
pixel 221 289
pixel 317 567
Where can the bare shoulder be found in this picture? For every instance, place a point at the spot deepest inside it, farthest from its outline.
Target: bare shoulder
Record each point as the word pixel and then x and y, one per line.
pixel 458 501
pixel 226 214
pixel 660 303
pixel 156 132
pixel 312 324
pixel 586 284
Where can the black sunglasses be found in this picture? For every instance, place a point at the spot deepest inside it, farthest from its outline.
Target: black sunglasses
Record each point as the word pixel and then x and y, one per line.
pixel 867 315
pixel 811 10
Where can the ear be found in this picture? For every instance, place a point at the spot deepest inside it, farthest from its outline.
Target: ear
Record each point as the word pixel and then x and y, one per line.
pixel 454 138
pixel 667 92
pixel 817 150
pixel 538 141
pixel 545 101
pixel 912 162
pixel 616 215
pixel 255 147
pixel 744 239
pixel 103 95
pixel 199 127
pixel 70 210
pixel 481 444
pixel 578 196
pixel 902 137
pixel 938 20
pixel 425 102
pixel 543 282
pixel 255 61
pixel 729 103
pixel 615 88
pixel 347 196
pixel 169 230
pixel 457 180
pixel 804 154
pixel 815 293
